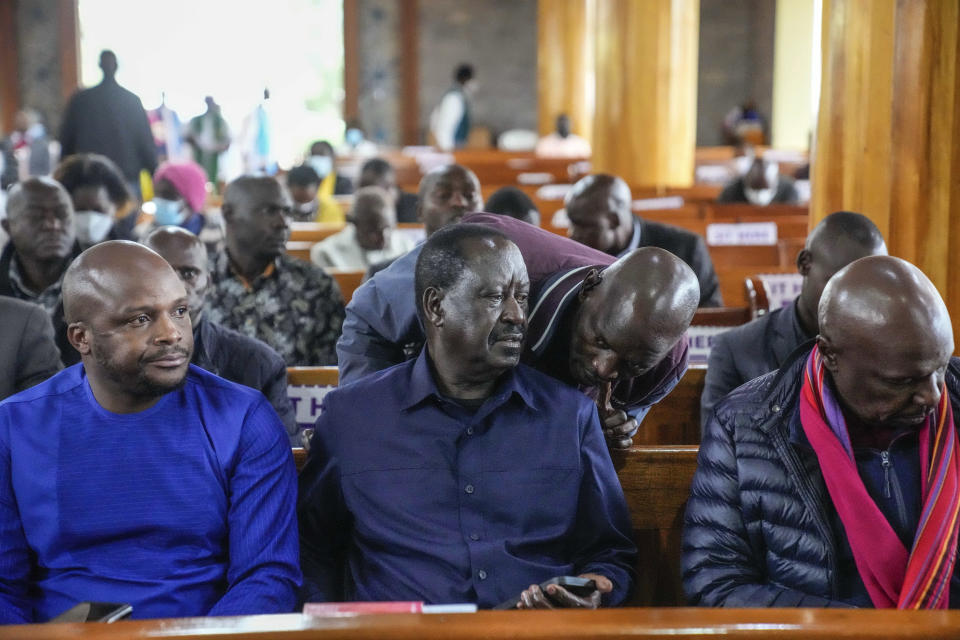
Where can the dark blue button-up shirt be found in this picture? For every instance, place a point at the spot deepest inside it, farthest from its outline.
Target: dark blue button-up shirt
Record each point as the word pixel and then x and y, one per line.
pixel 408 495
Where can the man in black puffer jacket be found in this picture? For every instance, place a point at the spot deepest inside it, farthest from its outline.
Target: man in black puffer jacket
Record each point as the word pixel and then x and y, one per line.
pixel 762 528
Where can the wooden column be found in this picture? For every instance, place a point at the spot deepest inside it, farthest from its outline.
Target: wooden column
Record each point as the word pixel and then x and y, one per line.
pixel 564 65
pixel 9 65
pixel 409 72
pixel 888 132
pixel 645 119
pixel 351 61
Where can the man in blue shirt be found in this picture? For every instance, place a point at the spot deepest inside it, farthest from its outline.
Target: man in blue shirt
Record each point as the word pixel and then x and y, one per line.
pixel 136 477
pixel 471 478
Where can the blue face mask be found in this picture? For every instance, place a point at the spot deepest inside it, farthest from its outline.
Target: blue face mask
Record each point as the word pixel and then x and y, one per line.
pixel 321 164
pixel 169 212
pixel 353 137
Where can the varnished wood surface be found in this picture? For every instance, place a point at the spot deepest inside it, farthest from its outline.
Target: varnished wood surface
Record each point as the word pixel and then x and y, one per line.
pixel 313 376
pixel 348 280
pixel 675 420
pixel 693 624
pixel 564 55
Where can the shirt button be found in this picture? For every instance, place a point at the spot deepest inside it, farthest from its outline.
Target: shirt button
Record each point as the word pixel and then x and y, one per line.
pixel 468 488
pixel 474 536
pixel 482 574
pixel 469 431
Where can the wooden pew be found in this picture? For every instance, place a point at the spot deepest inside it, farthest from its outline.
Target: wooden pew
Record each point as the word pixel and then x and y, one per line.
pixel 656 483
pixel 313 231
pixel 675 420
pixel 570 624
pixel 348 280
pixel 299 249
pixel 732 278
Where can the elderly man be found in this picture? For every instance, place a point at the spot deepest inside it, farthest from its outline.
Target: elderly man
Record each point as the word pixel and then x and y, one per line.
pixel 28 352
pixel 600 217
pixel 370 238
pixel 761 185
pixel 219 350
pixel 615 331
pixel 422 496
pixel 258 290
pixel 42 243
pixel 142 479
pixel 751 350
pixel 836 480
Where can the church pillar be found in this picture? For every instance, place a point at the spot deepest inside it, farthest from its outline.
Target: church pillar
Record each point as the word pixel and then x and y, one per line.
pixel 888 131
pixel 564 65
pixel 645 116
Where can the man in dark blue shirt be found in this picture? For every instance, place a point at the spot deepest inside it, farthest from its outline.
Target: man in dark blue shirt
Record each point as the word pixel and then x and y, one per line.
pixel 136 477
pixel 471 478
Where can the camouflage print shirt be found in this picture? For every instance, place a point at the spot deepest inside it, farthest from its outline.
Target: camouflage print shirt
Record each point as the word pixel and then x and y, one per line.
pixel 294 306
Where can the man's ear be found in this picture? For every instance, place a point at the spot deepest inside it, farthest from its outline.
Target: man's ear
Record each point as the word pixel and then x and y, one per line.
pixel 804 262
pixel 6 225
pixel 433 306
pixel 828 352
pixel 593 279
pixel 79 336
pixel 227 210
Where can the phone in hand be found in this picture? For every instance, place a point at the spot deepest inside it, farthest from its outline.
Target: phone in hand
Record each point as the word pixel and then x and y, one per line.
pixel 95 612
pixel 580 587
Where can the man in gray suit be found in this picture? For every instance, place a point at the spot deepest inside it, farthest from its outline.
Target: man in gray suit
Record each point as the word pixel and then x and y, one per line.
pixel 28 353
pixel 761 346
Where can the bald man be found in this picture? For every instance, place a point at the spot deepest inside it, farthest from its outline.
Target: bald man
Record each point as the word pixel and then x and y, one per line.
pixel 42 243
pixel 834 481
pixel 753 349
pixel 219 350
pixel 599 208
pixel 260 291
pixel 618 334
pixel 142 479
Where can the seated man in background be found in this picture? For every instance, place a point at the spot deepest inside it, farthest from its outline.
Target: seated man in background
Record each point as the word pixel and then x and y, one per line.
pixel 370 237
pixel 219 350
pixel 422 496
pixel 260 291
pixel 600 217
pixel 562 143
pixel 613 329
pixel 28 352
pixel 377 172
pixel 42 244
pixel 142 479
pixel 836 480
pixel 324 161
pixel 308 205
pixel 751 350
pixel 510 201
pixel 761 185
pixel 101 200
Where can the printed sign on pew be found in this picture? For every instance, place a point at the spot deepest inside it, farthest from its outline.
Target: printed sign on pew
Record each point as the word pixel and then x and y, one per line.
pixel 306 403
pixel 742 233
pixel 701 341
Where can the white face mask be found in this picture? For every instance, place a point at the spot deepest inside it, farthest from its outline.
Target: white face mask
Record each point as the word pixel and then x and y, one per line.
pixel 321 164
pixel 92 227
pixel 760 197
pixel 169 212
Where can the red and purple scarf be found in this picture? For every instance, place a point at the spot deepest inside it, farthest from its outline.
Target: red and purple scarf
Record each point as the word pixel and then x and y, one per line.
pixel 894 577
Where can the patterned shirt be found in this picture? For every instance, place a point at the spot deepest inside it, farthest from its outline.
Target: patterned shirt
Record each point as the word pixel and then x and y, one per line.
pixel 49 298
pixel 294 306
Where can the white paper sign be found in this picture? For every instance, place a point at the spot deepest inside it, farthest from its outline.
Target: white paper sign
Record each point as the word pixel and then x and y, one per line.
pixel 741 233
pixel 701 341
pixel 648 204
pixel 781 288
pixel 534 177
pixel 306 403
pixel 553 191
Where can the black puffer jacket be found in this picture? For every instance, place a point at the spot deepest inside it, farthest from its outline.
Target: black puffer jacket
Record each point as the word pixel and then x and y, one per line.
pixel 758 524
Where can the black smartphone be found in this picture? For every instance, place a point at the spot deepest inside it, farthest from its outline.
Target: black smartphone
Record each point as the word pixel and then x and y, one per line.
pixel 95 612
pixel 580 587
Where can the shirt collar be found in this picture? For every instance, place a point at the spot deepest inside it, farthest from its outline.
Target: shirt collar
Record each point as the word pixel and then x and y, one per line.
pixel 224 266
pixel 423 386
pixel 553 298
pixel 16 280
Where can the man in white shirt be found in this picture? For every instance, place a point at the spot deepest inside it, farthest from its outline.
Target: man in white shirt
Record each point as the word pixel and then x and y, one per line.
pixel 450 120
pixel 562 143
pixel 371 237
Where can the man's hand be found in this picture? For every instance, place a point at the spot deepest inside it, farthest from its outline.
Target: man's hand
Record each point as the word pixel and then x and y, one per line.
pixel 556 597
pixel 618 429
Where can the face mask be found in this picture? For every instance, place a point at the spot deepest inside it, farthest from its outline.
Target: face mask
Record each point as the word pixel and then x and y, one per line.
pixel 306 210
pixel 321 164
pixel 169 212
pixel 92 227
pixel 353 137
pixel 760 197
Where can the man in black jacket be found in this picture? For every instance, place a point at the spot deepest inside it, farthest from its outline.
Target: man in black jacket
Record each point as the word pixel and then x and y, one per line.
pixel 844 428
pixel 219 350
pixel 600 217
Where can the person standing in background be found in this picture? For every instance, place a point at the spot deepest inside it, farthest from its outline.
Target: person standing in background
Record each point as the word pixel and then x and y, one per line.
pixel 450 120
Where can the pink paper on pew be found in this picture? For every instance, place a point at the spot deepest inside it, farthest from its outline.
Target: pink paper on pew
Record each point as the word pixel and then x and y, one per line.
pixel 357 608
